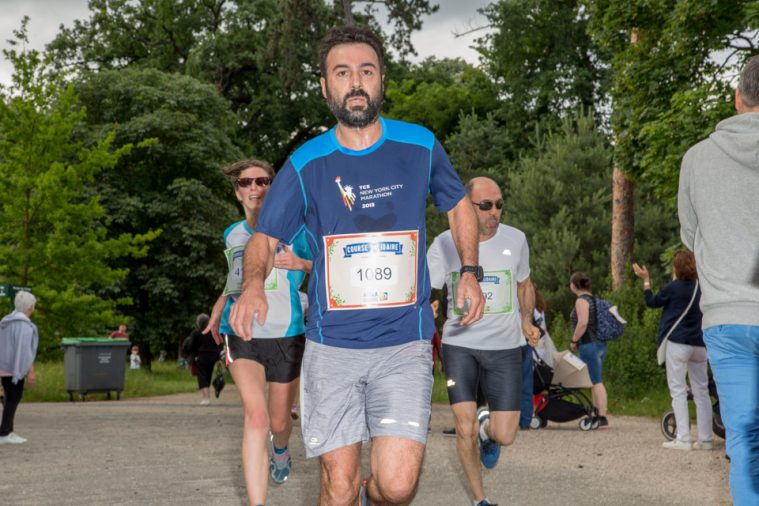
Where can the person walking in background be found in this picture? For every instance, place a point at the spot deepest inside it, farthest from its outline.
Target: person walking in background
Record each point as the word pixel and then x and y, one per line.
pixel 121 333
pixel 18 348
pixel 487 353
pixel 584 322
pixel 719 223
pixel 276 353
pixel 204 352
pixel 359 191
pixel 134 358
pixel 680 323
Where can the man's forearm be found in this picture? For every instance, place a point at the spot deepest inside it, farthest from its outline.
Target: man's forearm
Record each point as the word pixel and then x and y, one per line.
pixel 258 259
pixel 526 298
pixel 463 224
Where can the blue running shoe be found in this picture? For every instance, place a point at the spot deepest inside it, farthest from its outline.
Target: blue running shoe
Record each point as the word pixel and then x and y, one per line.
pixel 489 450
pixel 485 502
pixel 279 464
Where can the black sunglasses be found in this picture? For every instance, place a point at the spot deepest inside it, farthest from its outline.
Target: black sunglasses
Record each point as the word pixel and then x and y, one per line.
pixel 244 182
pixel 487 205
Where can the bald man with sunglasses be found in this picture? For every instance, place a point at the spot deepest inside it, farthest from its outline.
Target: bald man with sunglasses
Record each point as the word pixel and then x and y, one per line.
pixel 490 350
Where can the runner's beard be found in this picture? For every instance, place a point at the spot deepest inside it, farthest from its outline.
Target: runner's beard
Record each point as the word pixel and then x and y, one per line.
pixel 357 117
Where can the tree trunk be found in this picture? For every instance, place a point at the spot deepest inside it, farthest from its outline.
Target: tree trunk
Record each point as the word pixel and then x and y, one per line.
pixel 622 225
pixel 348 11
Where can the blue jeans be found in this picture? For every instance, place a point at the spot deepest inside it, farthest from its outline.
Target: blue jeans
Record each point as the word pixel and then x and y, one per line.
pixel 525 410
pixel 593 355
pixel 733 352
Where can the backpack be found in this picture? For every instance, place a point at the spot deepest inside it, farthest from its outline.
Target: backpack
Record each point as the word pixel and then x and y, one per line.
pixel 609 325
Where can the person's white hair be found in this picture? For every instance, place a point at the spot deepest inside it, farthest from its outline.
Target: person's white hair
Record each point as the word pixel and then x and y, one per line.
pixel 24 301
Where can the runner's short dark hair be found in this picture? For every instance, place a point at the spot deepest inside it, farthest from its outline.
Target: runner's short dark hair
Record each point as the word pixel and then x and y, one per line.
pixel 350 35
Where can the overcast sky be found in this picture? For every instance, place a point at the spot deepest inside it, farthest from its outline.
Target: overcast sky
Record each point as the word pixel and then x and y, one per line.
pixel 435 39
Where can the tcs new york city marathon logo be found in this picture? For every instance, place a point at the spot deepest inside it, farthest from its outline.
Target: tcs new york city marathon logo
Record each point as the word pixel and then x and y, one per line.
pixel 349 198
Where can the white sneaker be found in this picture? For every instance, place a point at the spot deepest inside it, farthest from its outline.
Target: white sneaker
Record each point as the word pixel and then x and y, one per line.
pixel 703 445
pixel 677 445
pixel 12 438
pixel 205 402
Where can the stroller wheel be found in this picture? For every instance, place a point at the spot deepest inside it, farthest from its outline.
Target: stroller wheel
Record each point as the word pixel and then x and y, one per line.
pixel 717 426
pixel 536 423
pixel 587 422
pixel 668 425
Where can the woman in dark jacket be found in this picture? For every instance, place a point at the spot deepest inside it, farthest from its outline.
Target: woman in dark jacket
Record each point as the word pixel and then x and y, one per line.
pixel 204 352
pixel 685 350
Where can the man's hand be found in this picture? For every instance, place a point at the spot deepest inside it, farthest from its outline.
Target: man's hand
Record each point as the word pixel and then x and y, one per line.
pixel 215 319
pixel 31 378
pixel 469 288
pixel 531 332
pixel 251 302
pixel 288 260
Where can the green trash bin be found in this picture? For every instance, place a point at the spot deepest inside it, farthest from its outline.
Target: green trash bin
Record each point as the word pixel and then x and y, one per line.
pixel 94 364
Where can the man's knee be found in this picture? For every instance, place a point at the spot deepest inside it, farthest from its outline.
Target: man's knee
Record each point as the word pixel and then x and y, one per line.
pixel 398 489
pixel 340 480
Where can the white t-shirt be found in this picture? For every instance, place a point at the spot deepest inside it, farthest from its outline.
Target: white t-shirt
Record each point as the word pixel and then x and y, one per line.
pixel 134 361
pixel 505 258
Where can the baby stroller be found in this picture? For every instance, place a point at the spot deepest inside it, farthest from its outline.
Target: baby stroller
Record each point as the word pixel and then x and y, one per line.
pixel 558 397
pixel 669 427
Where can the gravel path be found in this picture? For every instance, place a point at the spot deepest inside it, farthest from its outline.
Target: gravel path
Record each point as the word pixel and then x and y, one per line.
pixel 168 450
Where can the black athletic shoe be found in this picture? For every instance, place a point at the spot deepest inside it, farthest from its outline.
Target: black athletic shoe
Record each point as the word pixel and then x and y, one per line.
pixel 450 432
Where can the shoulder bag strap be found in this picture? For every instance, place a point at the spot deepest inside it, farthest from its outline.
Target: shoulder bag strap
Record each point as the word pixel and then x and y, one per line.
pixel 692 298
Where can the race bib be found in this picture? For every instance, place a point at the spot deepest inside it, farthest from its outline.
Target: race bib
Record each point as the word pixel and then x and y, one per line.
pixel 234 273
pixel 496 288
pixel 371 271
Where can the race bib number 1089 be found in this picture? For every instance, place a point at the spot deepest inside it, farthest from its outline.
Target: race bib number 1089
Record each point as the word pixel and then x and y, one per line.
pixel 370 271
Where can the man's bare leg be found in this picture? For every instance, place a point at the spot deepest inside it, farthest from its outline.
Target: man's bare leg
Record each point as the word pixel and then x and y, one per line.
pixel 395 465
pixel 340 476
pixel 502 427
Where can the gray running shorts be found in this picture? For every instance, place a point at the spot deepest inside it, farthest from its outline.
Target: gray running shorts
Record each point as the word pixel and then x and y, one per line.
pixel 351 395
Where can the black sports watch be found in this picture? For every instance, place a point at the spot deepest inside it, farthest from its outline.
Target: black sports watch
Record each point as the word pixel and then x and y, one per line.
pixel 474 269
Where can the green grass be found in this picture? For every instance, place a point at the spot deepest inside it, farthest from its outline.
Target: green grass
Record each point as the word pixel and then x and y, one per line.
pixel 165 378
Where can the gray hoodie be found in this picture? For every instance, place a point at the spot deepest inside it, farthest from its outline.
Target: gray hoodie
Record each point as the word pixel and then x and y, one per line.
pixel 18 344
pixel 718 204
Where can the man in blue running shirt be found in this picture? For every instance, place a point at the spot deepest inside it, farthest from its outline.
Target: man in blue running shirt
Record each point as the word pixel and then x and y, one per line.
pixel 359 193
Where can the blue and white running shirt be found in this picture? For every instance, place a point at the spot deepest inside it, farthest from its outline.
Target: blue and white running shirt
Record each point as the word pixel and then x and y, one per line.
pixel 364 216
pixel 285 316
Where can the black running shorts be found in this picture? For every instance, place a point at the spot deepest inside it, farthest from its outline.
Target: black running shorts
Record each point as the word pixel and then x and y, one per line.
pixel 499 371
pixel 280 356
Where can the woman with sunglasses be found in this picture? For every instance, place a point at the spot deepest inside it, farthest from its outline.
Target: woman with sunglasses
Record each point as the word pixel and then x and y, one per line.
pixel 275 354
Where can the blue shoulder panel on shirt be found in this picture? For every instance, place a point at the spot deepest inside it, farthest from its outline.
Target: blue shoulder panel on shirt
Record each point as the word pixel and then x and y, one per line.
pixel 409 133
pixel 317 147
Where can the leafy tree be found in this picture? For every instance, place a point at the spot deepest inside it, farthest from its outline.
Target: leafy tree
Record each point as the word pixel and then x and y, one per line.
pixel 53 227
pixel 560 197
pixel 543 62
pixel 436 93
pixel 172 185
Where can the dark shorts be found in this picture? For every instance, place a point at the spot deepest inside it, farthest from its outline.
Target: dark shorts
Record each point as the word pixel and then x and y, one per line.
pixel 498 371
pixel 280 356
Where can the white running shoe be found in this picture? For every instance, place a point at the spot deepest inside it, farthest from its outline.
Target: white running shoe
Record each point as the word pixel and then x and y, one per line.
pixel 12 438
pixel 703 445
pixel 677 445
pixel 205 402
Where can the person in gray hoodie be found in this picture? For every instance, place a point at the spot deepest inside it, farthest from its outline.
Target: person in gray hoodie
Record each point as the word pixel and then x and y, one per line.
pixel 719 222
pixel 18 348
